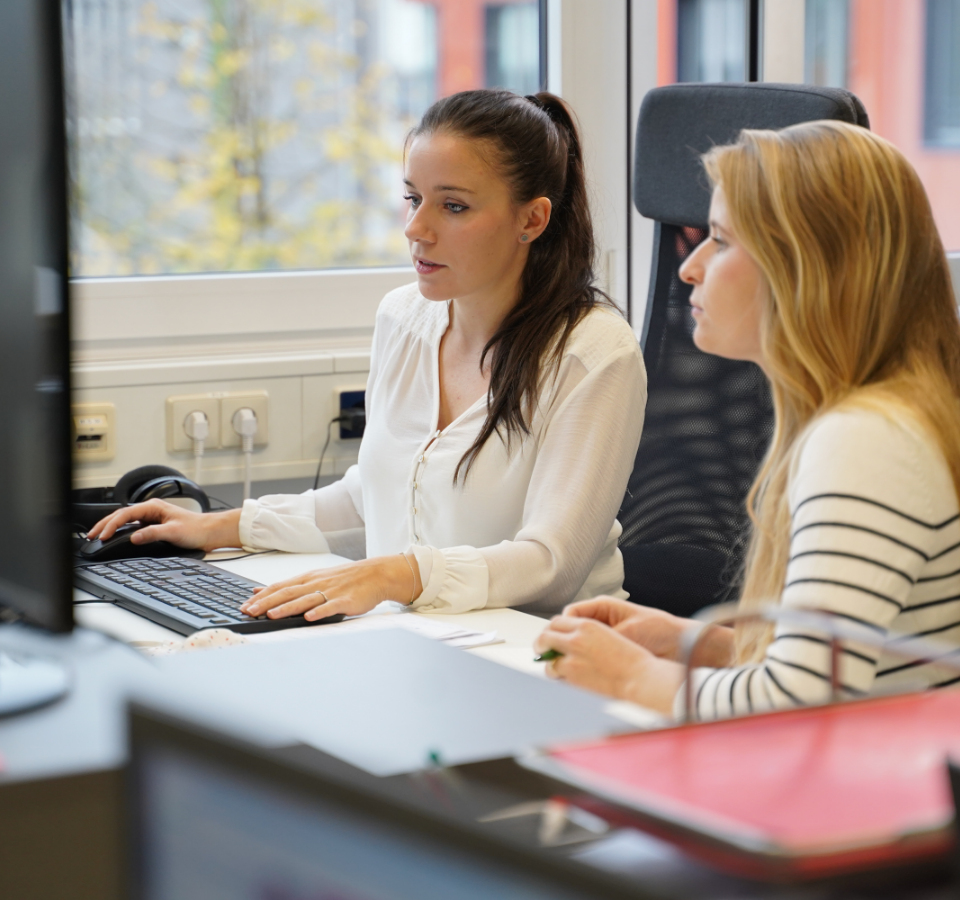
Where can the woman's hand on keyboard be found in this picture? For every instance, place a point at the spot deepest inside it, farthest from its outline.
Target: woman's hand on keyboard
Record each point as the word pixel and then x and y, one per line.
pixel 165 522
pixel 351 589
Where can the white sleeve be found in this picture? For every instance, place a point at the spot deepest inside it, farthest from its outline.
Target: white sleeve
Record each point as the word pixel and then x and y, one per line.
pixel 862 516
pixel 322 521
pixel 584 459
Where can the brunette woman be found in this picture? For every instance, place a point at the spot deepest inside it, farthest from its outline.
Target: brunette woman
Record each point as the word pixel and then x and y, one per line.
pixel 504 403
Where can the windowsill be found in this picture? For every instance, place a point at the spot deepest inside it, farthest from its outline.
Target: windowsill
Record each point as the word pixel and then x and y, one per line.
pixel 150 320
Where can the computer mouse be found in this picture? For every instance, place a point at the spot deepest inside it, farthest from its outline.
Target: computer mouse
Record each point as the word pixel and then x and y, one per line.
pixel 119 546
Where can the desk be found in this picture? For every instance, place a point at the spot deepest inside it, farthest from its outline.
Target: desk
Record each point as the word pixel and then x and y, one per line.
pixel 517 629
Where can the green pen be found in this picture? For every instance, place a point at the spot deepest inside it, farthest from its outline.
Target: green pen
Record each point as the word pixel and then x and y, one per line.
pixel 547 655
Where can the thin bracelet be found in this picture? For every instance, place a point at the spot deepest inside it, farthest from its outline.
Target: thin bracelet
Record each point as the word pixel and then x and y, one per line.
pixel 413 589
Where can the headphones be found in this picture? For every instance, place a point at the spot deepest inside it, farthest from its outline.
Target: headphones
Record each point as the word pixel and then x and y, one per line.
pixel 90 505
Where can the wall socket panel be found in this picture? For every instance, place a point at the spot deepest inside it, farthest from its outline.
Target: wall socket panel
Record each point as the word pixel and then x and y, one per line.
pixel 219 407
pixel 259 402
pixel 93 431
pixel 178 408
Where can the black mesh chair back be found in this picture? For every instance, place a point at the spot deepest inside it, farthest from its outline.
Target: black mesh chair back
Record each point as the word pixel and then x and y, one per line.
pixel 708 420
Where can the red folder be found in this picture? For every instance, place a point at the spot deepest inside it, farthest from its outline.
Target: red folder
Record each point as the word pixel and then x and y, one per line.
pixel 804 793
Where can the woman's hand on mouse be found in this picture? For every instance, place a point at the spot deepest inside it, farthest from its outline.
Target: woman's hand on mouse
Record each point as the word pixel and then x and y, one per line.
pixel 351 589
pixel 166 522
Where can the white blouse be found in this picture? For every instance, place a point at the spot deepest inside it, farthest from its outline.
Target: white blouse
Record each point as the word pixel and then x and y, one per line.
pixel 534 523
pixel 875 540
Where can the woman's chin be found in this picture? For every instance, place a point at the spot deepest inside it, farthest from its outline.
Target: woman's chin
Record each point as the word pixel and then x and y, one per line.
pixel 430 290
pixel 701 341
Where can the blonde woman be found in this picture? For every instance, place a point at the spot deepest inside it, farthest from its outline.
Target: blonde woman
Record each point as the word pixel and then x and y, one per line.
pixel 823 265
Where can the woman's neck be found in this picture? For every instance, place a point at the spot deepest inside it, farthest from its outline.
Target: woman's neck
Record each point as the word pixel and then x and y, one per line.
pixel 475 320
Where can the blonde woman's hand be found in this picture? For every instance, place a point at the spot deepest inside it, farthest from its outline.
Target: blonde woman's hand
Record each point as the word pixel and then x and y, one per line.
pixel 596 657
pixel 655 630
pixel 350 589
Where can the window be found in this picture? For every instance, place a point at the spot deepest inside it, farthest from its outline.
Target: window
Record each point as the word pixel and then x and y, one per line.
pixel 825 48
pixel 250 135
pixel 902 59
pixel 942 94
pixel 711 40
pixel 512 47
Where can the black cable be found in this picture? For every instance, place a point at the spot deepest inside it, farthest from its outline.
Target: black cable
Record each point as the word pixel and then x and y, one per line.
pixel 326 443
pixel 357 419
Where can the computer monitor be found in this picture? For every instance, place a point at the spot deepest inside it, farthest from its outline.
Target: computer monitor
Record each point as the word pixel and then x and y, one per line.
pixel 212 818
pixel 35 473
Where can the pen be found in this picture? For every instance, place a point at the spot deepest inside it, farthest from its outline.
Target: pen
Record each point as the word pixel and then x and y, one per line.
pixel 547 655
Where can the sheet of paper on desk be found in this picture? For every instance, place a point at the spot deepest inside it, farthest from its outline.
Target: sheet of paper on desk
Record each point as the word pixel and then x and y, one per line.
pixel 449 633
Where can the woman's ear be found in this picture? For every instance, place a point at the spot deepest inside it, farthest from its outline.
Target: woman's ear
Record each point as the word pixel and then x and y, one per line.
pixel 534 218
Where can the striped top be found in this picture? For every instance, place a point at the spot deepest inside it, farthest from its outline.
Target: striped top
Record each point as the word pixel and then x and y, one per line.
pixel 875 538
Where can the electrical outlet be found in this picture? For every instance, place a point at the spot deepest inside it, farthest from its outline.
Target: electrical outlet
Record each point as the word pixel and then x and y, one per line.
pixel 178 408
pixel 349 399
pixel 258 401
pixel 93 431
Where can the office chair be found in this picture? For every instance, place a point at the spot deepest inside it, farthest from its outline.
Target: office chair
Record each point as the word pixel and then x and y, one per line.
pixel 708 420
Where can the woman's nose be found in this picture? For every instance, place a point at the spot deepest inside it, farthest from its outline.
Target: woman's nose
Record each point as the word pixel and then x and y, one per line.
pixel 691 271
pixel 418 227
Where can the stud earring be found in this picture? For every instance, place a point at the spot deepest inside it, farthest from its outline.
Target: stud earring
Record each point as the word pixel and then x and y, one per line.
pixel 523 237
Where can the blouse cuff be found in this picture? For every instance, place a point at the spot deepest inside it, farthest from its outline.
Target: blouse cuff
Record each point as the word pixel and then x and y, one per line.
pixel 454 580
pixel 261 528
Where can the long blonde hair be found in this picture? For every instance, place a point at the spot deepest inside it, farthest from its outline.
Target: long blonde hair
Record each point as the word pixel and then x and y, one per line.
pixel 859 307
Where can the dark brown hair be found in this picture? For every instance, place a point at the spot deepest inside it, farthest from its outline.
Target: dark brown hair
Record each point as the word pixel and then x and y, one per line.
pixel 533 144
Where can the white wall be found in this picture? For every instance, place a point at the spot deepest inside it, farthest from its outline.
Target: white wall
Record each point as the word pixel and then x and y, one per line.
pixel 783 27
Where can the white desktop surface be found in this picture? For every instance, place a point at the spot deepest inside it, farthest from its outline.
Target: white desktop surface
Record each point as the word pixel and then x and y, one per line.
pixel 517 629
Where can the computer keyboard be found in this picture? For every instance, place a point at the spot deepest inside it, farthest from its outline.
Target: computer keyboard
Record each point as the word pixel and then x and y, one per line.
pixel 182 594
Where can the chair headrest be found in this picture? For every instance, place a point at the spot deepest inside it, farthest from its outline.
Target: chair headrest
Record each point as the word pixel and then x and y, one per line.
pixel 680 122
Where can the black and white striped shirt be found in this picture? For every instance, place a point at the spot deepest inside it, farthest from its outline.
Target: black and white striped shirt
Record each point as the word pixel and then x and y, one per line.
pixel 875 539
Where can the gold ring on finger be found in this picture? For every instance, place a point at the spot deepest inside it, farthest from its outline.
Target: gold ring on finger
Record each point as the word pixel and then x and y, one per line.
pixel 326 599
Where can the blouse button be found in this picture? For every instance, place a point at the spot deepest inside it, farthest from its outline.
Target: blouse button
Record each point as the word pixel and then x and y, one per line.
pixel 414 510
pixel 414 485
pixel 438 433
pixel 420 458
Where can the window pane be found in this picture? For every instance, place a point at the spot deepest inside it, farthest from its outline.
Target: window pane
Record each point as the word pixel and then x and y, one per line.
pixel 902 58
pixel 942 107
pixel 711 40
pixel 238 135
pixel 825 47
pixel 513 47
